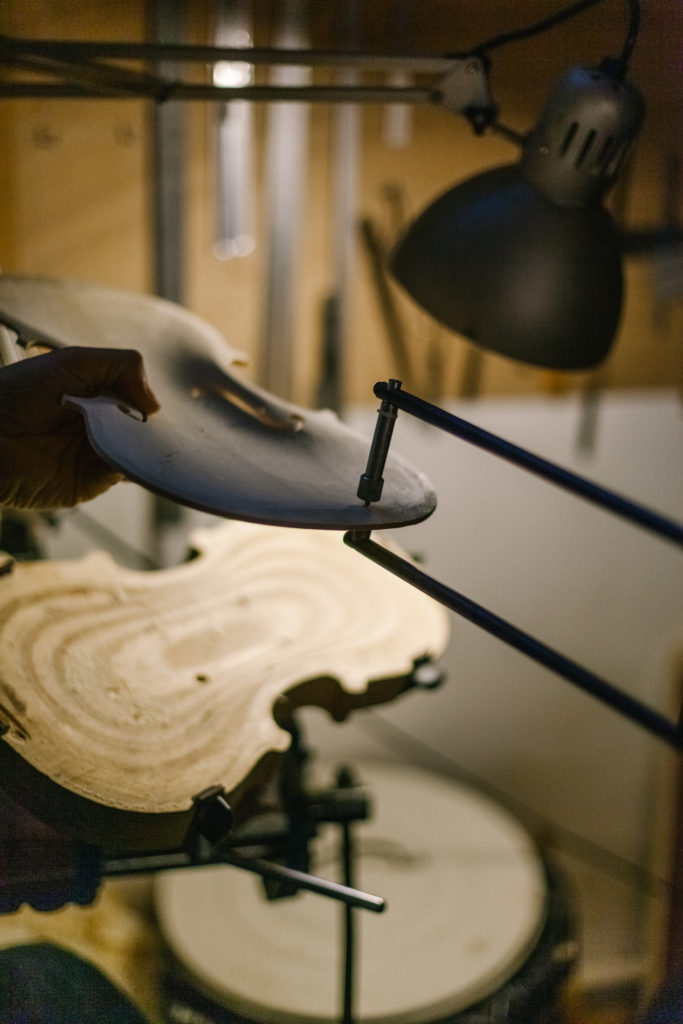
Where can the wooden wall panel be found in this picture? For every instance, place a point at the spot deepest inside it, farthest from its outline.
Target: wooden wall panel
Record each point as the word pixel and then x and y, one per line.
pixel 75 183
pixel 74 199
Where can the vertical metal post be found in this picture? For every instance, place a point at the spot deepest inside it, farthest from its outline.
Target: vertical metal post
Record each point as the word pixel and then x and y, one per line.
pixel 167 151
pixel 344 779
pixel 287 138
pixel 233 141
pixel 344 195
pixel 347 141
pixel 165 25
pixel 349 929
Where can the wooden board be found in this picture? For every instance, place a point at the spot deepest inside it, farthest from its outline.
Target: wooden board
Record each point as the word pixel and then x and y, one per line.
pixel 124 694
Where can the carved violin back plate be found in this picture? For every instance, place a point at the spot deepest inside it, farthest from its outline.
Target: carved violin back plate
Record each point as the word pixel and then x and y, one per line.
pixel 124 694
pixel 218 444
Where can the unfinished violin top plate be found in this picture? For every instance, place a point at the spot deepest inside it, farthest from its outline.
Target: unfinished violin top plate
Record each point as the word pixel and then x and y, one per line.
pixel 124 694
pixel 218 444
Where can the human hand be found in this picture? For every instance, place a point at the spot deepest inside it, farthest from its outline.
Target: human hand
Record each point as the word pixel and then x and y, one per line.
pixel 46 459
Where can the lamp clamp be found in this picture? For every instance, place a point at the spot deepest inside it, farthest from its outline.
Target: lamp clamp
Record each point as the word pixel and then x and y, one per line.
pixel 464 90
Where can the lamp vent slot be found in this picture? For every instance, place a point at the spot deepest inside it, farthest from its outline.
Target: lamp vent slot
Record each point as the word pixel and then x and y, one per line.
pixel 568 138
pixel 585 149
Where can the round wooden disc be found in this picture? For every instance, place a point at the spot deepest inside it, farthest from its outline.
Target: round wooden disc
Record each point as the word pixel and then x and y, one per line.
pixel 218 444
pixel 135 691
pixel 466 895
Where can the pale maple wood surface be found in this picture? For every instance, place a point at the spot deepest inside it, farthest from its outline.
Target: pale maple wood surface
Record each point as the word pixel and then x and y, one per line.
pixel 137 690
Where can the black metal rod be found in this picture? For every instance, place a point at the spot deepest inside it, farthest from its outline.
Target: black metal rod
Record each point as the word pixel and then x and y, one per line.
pixel 145 863
pixel 624 507
pixel 322 886
pixel 101 78
pixel 349 961
pixel 166 90
pixel 629 706
pixel 371 482
pixel 79 50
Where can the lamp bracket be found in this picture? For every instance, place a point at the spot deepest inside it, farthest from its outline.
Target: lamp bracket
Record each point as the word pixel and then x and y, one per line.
pixel 464 90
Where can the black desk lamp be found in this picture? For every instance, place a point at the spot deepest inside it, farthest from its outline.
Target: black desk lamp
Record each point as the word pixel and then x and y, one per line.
pixel 524 260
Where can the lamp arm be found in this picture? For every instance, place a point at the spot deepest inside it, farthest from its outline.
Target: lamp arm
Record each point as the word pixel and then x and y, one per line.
pixel 630 707
pixel 370 487
pixel 462 88
pixel 661 526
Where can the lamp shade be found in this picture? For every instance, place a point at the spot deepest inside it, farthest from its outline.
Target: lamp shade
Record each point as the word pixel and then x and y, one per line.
pixel 497 261
pixel 523 259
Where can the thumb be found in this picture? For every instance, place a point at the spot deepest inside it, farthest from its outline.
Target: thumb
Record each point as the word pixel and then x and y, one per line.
pixel 116 370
